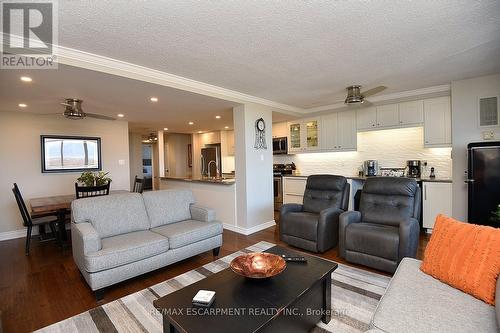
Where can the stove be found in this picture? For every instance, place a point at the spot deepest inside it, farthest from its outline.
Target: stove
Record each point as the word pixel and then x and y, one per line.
pixel 280 170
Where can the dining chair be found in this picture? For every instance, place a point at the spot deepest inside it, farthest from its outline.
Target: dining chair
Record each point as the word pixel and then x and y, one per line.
pixel 91 191
pixel 34 220
pixel 138 185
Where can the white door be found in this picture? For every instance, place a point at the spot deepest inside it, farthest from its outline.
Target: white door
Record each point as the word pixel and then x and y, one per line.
pixel 329 132
pixel 366 118
pixel 436 200
pixel 411 113
pixel 437 121
pixel 346 134
pixel 387 115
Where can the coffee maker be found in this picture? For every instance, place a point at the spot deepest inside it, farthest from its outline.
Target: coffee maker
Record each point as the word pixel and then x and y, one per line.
pixel 370 168
pixel 413 168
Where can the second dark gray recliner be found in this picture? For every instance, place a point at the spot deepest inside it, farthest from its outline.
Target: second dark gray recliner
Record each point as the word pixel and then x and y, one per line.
pixel 386 227
pixel 314 225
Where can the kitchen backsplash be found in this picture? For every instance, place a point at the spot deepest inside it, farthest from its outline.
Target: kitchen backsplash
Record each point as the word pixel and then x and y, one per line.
pixel 392 148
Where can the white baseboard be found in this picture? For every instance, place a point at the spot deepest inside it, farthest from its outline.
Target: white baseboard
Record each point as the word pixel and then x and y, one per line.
pixel 21 233
pixel 249 231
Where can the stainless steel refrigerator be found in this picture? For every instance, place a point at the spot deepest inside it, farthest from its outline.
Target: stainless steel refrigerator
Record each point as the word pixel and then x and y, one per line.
pixel 211 161
pixel 483 181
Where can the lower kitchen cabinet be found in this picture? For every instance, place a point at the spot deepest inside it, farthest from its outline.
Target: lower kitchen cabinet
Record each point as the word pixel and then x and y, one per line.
pixel 293 189
pixel 436 200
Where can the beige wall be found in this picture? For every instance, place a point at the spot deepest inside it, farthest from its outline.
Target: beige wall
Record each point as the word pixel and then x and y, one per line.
pixel 20 158
pixel 465 96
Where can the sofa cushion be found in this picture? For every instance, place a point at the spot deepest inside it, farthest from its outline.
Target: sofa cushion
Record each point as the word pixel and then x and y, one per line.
pixel 416 302
pixel 124 249
pixel 375 239
pixel 187 232
pixel 465 256
pixel 168 206
pixel 301 224
pixel 113 214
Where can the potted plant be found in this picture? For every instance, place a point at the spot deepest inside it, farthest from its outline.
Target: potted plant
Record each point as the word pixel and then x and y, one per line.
pixel 495 216
pixel 89 178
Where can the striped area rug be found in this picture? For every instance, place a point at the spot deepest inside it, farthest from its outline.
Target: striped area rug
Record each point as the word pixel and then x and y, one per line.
pixel 355 294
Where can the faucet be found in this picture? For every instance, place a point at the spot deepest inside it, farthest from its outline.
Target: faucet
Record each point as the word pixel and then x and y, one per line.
pixel 208 167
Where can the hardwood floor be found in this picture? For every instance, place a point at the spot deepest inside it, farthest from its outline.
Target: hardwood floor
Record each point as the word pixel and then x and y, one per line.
pixel 46 287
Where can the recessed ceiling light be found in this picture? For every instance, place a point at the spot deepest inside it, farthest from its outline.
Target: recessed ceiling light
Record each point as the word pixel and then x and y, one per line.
pixel 200 132
pixel 226 127
pixel 154 99
pixel 191 123
pixel 22 105
pixel 218 117
pixel 165 129
pixel 120 115
pixel 26 79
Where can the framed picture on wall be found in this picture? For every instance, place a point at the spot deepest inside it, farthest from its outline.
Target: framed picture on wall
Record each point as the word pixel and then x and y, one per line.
pixel 70 153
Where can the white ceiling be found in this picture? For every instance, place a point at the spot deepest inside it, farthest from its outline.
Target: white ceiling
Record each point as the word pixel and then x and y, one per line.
pixel 109 95
pixel 301 53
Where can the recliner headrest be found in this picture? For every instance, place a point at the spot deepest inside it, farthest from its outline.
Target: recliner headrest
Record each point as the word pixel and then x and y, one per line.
pixel 391 186
pixel 326 183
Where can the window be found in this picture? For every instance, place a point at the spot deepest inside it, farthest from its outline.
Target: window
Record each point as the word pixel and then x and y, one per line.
pixel 69 153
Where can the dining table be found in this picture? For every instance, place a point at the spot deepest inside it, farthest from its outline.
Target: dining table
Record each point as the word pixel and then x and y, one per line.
pixel 59 205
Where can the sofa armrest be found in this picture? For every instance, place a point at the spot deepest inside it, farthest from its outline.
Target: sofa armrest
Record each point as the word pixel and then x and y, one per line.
pixel 328 228
pixel 345 219
pixel 84 238
pixel 201 213
pixel 409 232
pixel 497 302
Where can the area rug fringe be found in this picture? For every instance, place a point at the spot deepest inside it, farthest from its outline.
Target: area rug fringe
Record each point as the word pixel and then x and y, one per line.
pixel 355 295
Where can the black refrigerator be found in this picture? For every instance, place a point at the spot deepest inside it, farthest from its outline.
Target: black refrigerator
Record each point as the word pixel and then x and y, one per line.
pixel 483 181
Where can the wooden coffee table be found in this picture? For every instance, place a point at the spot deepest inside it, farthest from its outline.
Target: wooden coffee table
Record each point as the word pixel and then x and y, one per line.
pixel 293 301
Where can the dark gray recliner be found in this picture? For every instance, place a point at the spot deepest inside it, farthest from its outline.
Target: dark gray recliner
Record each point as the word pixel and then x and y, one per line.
pixel 386 227
pixel 314 225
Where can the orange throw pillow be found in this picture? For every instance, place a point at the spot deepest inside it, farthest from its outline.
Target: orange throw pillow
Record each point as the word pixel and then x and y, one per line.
pixel 465 256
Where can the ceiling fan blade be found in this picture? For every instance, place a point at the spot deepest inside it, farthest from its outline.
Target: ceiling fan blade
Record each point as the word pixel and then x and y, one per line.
pixel 99 116
pixel 373 91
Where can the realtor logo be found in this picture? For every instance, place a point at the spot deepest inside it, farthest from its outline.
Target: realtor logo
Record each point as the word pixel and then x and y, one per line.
pixel 29 31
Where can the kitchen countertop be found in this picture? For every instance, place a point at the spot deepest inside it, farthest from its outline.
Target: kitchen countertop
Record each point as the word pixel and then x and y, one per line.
pixel 225 181
pixel 433 180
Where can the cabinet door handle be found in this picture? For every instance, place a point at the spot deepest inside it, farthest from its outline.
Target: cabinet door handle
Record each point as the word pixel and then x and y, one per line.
pixel 425 192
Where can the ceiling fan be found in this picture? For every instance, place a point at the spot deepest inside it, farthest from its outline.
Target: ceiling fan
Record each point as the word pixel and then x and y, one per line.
pixel 356 97
pixel 74 110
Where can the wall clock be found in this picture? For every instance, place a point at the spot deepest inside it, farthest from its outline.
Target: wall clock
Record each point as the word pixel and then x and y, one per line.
pixel 260 134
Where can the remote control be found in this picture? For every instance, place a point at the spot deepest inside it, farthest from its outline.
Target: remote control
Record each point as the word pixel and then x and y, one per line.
pixel 204 298
pixel 293 258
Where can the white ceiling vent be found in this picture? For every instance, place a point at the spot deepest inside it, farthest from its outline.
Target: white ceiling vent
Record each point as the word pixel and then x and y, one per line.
pixel 488 111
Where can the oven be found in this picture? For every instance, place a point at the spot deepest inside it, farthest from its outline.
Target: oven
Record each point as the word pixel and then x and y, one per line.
pixel 278 191
pixel 280 146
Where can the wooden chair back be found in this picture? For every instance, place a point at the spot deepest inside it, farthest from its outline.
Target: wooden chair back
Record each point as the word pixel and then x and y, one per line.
pixel 138 185
pixel 22 207
pixel 91 191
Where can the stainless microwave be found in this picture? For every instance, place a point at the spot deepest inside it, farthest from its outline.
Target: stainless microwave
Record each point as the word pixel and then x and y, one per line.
pixel 280 145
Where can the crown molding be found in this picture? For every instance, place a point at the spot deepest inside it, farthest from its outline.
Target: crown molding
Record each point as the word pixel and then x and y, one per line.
pixel 408 94
pixel 77 58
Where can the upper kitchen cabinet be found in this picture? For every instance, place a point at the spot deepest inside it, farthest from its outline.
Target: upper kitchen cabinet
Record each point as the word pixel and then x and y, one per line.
pixel 338 131
pixel 388 115
pixel 209 138
pixel 230 143
pixel 304 135
pixel 437 122
pixel 366 118
pixel 280 130
pixel 411 113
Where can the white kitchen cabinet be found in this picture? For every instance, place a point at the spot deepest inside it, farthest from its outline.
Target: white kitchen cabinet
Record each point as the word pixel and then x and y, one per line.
pixel 209 138
pixel 436 200
pixel 338 131
pixel 411 113
pixel 230 142
pixel 280 129
pixel 304 135
pixel 293 189
pixel 388 115
pixel 437 122
pixel 366 118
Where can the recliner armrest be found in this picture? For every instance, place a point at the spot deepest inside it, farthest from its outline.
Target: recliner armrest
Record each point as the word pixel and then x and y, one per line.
pixel 201 213
pixel 345 219
pixel 291 208
pixel 409 232
pixel 328 228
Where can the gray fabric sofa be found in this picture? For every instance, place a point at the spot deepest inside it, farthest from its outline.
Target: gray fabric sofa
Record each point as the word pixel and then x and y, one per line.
pixel 386 228
pixel 417 302
pixel 120 236
pixel 314 225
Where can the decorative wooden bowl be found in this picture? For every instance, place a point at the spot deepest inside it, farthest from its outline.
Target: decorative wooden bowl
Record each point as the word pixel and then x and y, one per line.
pixel 258 265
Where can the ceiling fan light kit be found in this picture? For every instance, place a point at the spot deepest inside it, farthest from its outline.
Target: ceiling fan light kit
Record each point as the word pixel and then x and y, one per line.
pixel 354 95
pixel 74 110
